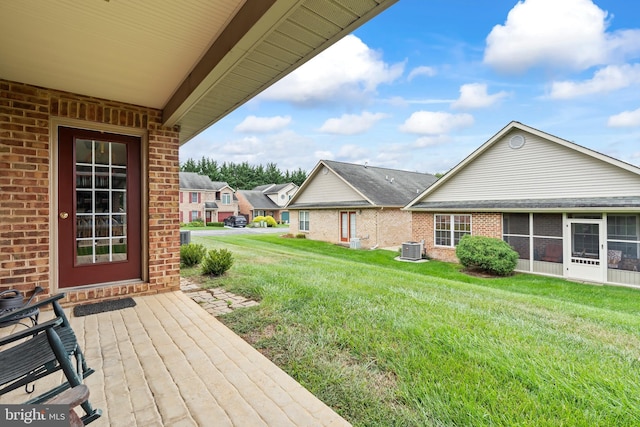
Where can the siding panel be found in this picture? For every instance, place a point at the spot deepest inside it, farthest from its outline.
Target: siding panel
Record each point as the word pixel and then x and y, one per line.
pixel 327 188
pixel 540 169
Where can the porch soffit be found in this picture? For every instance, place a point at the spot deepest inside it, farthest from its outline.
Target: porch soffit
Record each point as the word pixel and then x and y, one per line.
pixel 197 61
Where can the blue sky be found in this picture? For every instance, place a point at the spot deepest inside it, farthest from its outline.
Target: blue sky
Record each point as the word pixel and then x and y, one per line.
pixel 426 82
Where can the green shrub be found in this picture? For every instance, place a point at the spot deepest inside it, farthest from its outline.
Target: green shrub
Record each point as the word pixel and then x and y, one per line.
pixel 197 223
pixel 487 254
pixel 301 236
pixel 215 224
pixel 259 218
pixel 271 222
pixel 216 262
pixel 191 254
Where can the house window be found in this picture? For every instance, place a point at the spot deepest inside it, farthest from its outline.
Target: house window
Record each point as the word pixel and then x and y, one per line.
pixel 226 198
pixel 515 231
pixel 194 215
pixel 258 212
pixel 303 221
pixel 623 242
pixel 449 229
pixel 194 197
pixel 540 231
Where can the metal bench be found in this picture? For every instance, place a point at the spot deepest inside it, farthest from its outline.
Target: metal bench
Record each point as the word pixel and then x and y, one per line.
pixel 41 350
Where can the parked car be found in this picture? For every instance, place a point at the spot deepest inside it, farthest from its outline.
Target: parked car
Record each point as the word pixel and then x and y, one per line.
pixel 235 221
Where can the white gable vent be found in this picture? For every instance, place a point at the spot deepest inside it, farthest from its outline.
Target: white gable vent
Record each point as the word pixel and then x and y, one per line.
pixel 411 251
pixel 516 141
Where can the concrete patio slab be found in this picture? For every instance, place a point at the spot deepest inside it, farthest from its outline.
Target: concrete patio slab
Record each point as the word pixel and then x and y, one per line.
pixel 167 362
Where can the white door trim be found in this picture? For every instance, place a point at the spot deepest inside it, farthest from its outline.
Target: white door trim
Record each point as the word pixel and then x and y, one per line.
pixel 585 268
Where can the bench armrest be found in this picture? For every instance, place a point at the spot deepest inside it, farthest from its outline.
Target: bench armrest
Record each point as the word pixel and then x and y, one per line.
pixel 8 315
pixel 31 331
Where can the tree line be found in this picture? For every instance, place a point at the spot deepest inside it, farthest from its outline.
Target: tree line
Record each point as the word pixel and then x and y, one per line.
pixel 243 176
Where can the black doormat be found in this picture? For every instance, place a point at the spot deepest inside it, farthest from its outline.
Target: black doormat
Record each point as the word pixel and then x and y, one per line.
pixel 100 307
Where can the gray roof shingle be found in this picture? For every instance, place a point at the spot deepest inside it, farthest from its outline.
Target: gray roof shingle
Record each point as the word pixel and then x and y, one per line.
pixel 194 181
pixel 533 204
pixel 258 199
pixel 383 186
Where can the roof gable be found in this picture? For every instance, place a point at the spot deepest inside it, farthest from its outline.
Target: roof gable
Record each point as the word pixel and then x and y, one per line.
pixel 545 167
pixel 258 200
pixel 334 183
pixel 195 181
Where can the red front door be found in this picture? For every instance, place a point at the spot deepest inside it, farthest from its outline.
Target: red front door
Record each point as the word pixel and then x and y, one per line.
pixel 99 204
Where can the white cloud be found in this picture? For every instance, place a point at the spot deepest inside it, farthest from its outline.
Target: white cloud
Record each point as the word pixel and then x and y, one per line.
pixel 346 70
pixel 422 71
pixel 323 155
pixel 558 34
pixel 253 124
pixel 607 79
pixel 625 119
pixel 435 123
pixel 352 151
pixel 474 95
pixel 352 124
pixel 429 141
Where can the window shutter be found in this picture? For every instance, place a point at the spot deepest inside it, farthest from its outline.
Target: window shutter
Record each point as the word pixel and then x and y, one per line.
pixel 181 197
pixel 181 215
pixel 199 194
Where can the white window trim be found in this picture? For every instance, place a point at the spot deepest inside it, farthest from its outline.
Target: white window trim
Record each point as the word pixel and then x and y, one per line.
pixel 226 198
pixel 307 221
pixel 452 230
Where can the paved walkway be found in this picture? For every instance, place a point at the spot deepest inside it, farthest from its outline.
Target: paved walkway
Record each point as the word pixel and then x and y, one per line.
pixel 167 362
pixel 215 301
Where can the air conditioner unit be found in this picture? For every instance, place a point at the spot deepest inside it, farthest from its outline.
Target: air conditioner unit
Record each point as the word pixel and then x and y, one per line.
pixel 411 251
pixel 185 237
pixel 354 243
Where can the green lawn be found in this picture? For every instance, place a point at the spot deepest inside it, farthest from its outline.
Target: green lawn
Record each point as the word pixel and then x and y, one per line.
pixel 392 343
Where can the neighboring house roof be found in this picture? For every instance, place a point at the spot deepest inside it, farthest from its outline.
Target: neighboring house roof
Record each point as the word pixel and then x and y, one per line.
pixel 263 187
pixel 277 187
pixel 369 185
pixel 563 205
pixel 195 181
pixel 521 167
pixel 194 61
pixel 258 200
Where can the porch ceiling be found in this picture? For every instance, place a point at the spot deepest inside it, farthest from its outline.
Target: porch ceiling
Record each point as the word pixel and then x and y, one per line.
pixel 195 60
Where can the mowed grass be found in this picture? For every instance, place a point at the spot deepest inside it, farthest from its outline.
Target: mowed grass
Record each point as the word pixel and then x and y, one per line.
pixel 391 343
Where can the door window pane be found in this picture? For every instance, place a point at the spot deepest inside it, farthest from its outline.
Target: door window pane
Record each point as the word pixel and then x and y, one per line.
pixel 585 240
pixel 101 208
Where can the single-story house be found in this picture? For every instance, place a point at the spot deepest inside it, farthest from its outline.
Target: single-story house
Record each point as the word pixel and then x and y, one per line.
pixel 206 200
pixel 340 201
pixel 268 199
pixel 96 99
pixel 567 210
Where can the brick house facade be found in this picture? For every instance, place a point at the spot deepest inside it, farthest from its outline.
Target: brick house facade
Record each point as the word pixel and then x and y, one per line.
pixel 577 218
pixel 28 116
pixel 342 201
pixel 482 224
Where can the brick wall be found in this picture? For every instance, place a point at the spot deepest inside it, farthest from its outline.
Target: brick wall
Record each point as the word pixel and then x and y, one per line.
pixel 482 224
pixel 26 177
pixel 374 227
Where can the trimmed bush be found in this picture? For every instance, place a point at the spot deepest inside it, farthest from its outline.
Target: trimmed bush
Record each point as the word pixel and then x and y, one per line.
pixel 487 254
pixel 259 218
pixel 215 224
pixel 216 262
pixel 191 254
pixel 196 223
pixel 271 222
pixel 301 236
